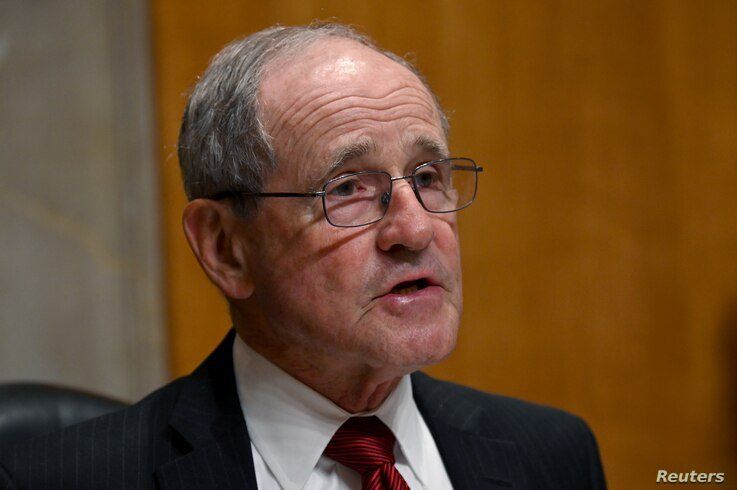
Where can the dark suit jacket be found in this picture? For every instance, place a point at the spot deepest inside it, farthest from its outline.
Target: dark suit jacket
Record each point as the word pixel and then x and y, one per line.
pixel 191 434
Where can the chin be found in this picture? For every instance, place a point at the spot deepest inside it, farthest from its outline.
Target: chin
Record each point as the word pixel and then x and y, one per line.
pixel 440 349
pixel 419 347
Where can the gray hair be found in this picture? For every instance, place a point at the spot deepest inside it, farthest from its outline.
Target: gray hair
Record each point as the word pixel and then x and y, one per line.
pixel 223 146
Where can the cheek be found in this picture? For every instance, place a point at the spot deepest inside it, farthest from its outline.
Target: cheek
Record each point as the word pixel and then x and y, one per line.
pixel 342 270
pixel 448 244
pixel 319 274
pixel 446 239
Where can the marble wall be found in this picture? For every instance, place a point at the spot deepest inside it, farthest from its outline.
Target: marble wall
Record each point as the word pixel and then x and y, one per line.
pixel 80 279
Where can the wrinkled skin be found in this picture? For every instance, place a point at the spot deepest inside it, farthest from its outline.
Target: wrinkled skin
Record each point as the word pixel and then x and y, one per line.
pixel 318 308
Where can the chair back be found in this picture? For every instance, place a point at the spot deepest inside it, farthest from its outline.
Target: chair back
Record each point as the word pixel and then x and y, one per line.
pixel 32 409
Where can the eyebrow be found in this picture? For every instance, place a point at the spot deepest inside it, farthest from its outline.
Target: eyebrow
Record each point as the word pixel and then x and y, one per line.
pixel 432 146
pixel 364 146
pixel 343 155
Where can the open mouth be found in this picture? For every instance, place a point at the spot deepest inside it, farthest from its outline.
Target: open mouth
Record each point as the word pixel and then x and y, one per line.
pixel 409 287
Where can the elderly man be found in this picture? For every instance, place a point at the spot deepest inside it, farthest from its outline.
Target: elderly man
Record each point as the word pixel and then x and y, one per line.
pixel 323 205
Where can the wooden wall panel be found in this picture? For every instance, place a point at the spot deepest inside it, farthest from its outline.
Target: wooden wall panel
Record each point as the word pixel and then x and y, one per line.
pixel 600 261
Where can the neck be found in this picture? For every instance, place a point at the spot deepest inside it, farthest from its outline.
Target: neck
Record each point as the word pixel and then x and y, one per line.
pixel 352 396
pixel 353 387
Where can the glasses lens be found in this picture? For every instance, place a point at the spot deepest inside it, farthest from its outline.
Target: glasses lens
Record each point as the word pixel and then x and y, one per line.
pixel 357 199
pixel 446 185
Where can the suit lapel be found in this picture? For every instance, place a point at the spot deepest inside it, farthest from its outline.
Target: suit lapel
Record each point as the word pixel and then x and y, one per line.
pixel 472 456
pixel 208 418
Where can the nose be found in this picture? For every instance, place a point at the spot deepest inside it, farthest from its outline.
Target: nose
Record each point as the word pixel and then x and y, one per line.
pixel 406 224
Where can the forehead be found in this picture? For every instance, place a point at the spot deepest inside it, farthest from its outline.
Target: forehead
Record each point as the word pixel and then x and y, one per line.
pixel 337 93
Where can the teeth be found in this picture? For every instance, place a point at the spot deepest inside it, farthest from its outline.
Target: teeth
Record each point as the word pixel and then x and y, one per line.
pixel 407 290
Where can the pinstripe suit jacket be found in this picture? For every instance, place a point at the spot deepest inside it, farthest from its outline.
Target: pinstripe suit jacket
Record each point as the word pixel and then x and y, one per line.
pixel 191 434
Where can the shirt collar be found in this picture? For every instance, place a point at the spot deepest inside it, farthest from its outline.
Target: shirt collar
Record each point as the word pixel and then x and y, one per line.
pixel 290 424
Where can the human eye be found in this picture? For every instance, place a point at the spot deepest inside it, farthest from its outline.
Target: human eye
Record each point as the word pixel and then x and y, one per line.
pixel 427 177
pixel 346 186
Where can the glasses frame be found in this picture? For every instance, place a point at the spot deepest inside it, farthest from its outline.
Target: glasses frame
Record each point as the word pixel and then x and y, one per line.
pixel 411 178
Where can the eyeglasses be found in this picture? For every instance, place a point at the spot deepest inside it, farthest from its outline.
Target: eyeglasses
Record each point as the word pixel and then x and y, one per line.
pixel 362 198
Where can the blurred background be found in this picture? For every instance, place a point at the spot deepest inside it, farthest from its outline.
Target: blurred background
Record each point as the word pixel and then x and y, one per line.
pixel 600 260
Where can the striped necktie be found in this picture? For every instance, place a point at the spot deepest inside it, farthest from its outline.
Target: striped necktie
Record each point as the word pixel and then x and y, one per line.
pixel 366 445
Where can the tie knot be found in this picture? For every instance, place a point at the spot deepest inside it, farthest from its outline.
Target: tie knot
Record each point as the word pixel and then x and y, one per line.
pixel 362 444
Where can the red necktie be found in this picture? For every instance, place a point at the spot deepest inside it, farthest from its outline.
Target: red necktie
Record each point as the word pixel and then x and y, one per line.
pixel 366 445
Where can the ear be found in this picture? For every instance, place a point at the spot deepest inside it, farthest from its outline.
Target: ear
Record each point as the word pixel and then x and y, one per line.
pixel 216 237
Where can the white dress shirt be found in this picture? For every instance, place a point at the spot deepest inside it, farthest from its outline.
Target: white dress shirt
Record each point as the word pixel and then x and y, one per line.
pixel 290 425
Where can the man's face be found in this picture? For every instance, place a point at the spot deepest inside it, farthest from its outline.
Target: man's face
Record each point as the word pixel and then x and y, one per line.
pixel 334 290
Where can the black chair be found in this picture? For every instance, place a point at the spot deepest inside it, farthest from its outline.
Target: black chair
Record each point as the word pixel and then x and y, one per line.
pixel 32 409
